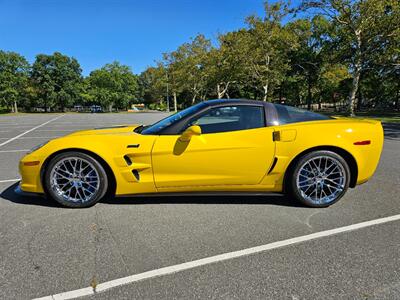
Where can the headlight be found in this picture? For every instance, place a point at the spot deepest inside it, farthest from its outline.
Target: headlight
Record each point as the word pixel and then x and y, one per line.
pixel 37 147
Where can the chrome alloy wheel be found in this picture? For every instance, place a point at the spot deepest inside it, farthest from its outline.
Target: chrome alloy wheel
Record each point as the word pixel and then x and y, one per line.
pixel 321 179
pixel 74 179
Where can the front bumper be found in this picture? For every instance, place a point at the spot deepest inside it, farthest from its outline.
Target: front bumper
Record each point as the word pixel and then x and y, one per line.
pixel 30 174
pixel 18 190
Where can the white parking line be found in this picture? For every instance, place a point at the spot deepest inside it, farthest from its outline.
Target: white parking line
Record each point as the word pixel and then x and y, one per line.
pixel 40 137
pixel 34 137
pixel 15 127
pixel 50 130
pixel 73 127
pixel 32 129
pixel 10 180
pixel 214 259
pixel 16 124
pixel 11 151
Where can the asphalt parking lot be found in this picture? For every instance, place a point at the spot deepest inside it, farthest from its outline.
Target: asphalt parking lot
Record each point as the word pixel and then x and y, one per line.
pixel 46 250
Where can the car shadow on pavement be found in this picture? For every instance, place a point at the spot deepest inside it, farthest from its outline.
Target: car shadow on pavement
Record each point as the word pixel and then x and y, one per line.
pixel 11 195
pixel 280 200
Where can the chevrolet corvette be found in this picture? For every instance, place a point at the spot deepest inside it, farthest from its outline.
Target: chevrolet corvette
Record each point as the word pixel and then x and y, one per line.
pixel 216 146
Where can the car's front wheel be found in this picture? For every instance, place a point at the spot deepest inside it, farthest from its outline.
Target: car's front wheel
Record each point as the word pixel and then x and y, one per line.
pixel 75 179
pixel 319 178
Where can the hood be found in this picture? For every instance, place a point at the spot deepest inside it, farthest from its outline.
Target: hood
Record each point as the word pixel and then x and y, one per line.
pixel 120 129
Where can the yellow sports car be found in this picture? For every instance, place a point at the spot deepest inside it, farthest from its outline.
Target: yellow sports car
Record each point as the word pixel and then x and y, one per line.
pixel 214 146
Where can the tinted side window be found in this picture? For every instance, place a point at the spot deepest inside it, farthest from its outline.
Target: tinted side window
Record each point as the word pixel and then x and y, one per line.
pixel 230 118
pixel 290 114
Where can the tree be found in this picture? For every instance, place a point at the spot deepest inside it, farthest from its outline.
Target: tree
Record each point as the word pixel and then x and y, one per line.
pixel 57 78
pixel 267 47
pixel 362 27
pixel 224 65
pixel 309 58
pixel 171 67
pixel 113 85
pixel 153 85
pixel 14 70
pixel 189 66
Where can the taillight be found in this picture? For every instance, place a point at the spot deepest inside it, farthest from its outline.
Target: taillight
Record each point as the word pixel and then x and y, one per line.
pixel 362 143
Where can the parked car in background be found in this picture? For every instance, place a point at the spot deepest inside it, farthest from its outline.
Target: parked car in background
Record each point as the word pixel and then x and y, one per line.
pixel 96 109
pixel 78 108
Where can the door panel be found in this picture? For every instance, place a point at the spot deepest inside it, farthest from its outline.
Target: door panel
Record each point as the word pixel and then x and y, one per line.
pixel 227 158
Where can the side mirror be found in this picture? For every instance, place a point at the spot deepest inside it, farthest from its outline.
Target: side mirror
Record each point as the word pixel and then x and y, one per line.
pixel 189 132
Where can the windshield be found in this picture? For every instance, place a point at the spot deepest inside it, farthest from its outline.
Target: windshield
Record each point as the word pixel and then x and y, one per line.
pixel 164 123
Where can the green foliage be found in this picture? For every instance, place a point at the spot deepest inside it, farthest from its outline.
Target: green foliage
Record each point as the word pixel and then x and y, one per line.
pixel 338 51
pixel 313 59
pixel 364 32
pixel 157 106
pixel 56 78
pixel 152 85
pixel 14 70
pixel 112 85
pixel 267 45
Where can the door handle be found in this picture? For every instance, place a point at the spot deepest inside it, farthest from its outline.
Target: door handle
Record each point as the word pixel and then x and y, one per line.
pixel 133 146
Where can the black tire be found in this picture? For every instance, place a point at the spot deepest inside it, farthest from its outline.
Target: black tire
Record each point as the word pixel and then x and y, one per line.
pixel 325 183
pixel 98 193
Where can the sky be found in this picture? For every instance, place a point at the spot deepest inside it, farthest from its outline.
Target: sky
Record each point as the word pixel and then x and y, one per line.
pixel 134 32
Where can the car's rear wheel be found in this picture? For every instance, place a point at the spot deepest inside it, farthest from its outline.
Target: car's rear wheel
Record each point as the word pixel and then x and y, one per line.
pixel 319 178
pixel 75 179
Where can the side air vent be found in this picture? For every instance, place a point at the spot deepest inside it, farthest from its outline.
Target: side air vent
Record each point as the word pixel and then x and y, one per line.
pixel 136 174
pixel 128 160
pixel 273 165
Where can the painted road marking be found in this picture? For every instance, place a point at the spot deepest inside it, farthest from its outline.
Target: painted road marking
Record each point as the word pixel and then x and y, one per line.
pixel 214 259
pixel 35 137
pixel 50 130
pixel 17 124
pixel 10 180
pixel 11 151
pixel 15 127
pixel 30 130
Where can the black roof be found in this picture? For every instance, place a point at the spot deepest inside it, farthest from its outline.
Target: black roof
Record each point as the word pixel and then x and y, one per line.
pixel 233 101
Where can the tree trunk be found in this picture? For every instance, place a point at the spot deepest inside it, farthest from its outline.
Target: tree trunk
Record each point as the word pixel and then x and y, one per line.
pixel 309 93
pixel 194 99
pixel 396 105
pixel 222 91
pixel 265 87
pixel 110 107
pixel 360 99
pixel 356 77
pixel 219 91
pixel 354 87
pixel 334 103
pixel 175 103
pixel 15 107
